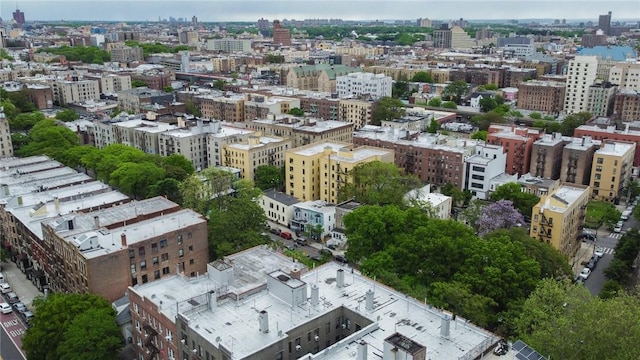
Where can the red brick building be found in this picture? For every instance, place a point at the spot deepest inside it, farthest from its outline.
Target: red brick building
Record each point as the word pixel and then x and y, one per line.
pixel 611 133
pixel 517 143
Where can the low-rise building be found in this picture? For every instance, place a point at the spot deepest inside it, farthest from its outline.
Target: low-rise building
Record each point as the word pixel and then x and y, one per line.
pixel 518 142
pixel 278 206
pixel 441 205
pixel 487 162
pixel 338 237
pixel 364 84
pixel 315 219
pixel 546 156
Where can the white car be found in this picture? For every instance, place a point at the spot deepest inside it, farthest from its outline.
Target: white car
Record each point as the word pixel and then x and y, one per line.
pixel 5 308
pixel 617 229
pixel 585 273
pixel 5 288
pixel 599 252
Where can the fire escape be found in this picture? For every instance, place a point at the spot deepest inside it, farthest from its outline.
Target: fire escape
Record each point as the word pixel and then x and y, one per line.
pixel 519 158
pixel 541 162
pixel 572 166
pixel 410 161
pixel 546 225
pixel 151 338
pixel 342 179
pixel 271 156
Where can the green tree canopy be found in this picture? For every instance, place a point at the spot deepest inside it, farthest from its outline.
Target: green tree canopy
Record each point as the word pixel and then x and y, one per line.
pixel 86 54
pixel 480 135
pixel 377 183
pixel 138 83
pixel 269 177
pixel 66 323
pixel 522 201
pixel 483 121
pixel 192 108
pixel 562 321
pixel 601 212
pixel 456 91
pixel 387 109
pixel 25 121
pixel 134 179
pixel 47 138
pixel 422 76
pixel 67 115
pixel 449 105
pixel 296 112
pixel 434 102
pixel 487 104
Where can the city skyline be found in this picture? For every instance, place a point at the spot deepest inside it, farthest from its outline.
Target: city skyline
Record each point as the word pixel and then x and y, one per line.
pixel 248 11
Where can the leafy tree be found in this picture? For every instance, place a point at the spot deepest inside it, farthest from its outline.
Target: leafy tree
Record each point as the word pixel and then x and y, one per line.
pixel 20 99
pixel 46 138
pixel 269 176
pixel 491 87
pixel 480 135
pixel 522 201
pixel 138 83
pixel 456 91
pixel 535 115
pixel 499 215
pixel 601 212
pixel 176 166
pixel 610 289
pixel 72 322
pixel 487 104
pixel 387 109
pixel 472 213
pixel 93 335
pixel 400 87
pixel 515 113
pixel 458 196
pixel 167 89
pixel 377 183
pixel 561 320
pixel 218 84
pixel 449 105
pixel 167 187
pixel 67 115
pixel 296 112
pixel 86 54
pixel 10 110
pixel 422 76
pixel 274 59
pixel 25 121
pixel 191 108
pixel 204 190
pixel 572 121
pixel 134 179
pixel 435 102
pixel 433 126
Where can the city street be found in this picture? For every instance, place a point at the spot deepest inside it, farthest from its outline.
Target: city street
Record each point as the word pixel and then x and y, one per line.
pixel 11 337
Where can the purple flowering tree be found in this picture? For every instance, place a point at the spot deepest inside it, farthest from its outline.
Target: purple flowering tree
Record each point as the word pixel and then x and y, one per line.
pixel 499 215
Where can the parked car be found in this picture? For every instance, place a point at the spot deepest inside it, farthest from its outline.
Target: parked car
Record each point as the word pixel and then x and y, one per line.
pixel 617 229
pixel 585 273
pixel 599 252
pixel 1 277
pixel 592 262
pixel 5 288
pixel 286 235
pixel 20 307
pixel 5 308
pixel 275 231
pixel 301 241
pixel 340 258
pixel 28 316
pixel 12 298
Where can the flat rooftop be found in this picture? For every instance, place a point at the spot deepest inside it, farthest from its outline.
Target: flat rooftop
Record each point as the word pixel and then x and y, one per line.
pixel 563 197
pixel 615 148
pixel 229 322
pixel 18 188
pixel 45 174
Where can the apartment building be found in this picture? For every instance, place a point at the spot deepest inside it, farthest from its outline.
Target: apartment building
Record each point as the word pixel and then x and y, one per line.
pixel 518 142
pixel 364 84
pixel 581 73
pixel 303 131
pixel 111 83
pixel 543 96
pixel 442 37
pixel 6 145
pixel 338 236
pixel 326 108
pixel 319 77
pixel 70 89
pixel 600 98
pixel 626 75
pixel 141 134
pixel 259 106
pixel 558 218
pixel 354 111
pixel 577 160
pixel 229 45
pixel 318 171
pixel 281 35
pixel 278 206
pixel 435 159
pixel 217 139
pixel 221 108
pixel 359 51
pixel 316 219
pixel 627 105
pixel 546 156
pixel 134 99
pixel 611 170
pixel 536 185
pixel 106 251
pixel 41 96
pixel 256 151
pixel 126 54
pixel 487 162
pixel 610 133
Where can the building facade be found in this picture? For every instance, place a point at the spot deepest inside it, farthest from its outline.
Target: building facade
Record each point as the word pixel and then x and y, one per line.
pixel 546 156
pixel 364 84
pixel 611 170
pixel 518 142
pixel 577 160
pixel 488 162
pixel 543 96
pixel 581 73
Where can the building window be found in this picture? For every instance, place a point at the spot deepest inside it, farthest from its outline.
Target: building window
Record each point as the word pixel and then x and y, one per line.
pixel 165 256
pixel 141 251
pixel 600 160
pixel 165 270
pixel 156 275
pixel 133 268
pixel 154 248
pixel 143 265
pixel 155 260
pixel 163 243
pixel 179 239
pixel 145 279
pixel 132 253
pixel 180 252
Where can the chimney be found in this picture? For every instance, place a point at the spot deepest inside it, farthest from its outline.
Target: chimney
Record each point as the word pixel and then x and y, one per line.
pixel 626 128
pixel 123 239
pixel 295 273
pixel 96 221
pixel 315 292
pixel 264 321
pixel 340 278
pixel 445 324
pixel 362 350
pixel 213 300
pixel 369 300
pixel 56 203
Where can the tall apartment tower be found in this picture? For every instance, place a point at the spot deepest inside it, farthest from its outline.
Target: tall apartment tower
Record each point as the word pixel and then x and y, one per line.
pixel 281 35
pixel 18 17
pixel 263 27
pixel 604 23
pixel 581 74
pixel 442 37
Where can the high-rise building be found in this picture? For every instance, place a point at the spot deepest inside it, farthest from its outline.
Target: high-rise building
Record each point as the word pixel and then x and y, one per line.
pixel 263 27
pixel 611 170
pixel 281 35
pixel 604 23
pixel 194 21
pixel 442 37
pixel 581 73
pixel 18 17
pixel 544 96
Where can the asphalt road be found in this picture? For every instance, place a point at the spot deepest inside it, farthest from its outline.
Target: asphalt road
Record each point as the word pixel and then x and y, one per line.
pixel 608 240
pixel 11 329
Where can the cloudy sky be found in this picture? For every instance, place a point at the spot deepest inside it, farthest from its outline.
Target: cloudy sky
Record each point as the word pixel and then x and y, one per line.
pixel 242 10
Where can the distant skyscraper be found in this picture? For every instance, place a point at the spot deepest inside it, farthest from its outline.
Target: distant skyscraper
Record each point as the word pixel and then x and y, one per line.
pixel 263 27
pixel 194 21
pixel 18 16
pixel 604 23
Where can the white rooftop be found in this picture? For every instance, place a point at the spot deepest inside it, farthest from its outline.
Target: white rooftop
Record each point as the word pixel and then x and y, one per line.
pixel 615 148
pixel 562 198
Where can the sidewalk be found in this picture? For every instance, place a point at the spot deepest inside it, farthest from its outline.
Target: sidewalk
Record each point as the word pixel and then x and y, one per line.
pixel 582 256
pixel 20 284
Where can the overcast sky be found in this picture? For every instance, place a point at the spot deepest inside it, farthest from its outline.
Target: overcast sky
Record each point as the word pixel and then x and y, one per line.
pixel 241 10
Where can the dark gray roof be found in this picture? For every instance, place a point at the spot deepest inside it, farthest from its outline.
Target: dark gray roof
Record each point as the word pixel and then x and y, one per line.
pixel 281 197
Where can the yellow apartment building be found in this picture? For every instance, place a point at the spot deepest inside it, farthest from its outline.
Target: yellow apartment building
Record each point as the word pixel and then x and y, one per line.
pixel 318 171
pixel 256 151
pixel 558 218
pixel 356 112
pixel 611 170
